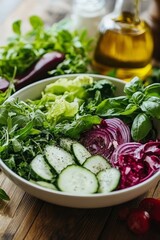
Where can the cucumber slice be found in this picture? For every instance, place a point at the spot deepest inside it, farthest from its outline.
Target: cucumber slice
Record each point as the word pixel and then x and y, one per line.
pixel 44 184
pixel 108 180
pixel 58 158
pixel 41 168
pixel 66 144
pixel 80 152
pixel 47 185
pixel 76 179
pixel 96 164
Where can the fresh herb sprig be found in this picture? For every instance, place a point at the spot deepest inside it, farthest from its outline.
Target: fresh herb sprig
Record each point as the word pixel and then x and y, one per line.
pixel 23 49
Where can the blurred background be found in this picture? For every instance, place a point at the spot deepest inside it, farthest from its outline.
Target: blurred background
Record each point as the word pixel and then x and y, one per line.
pixel 49 10
pixel 9 6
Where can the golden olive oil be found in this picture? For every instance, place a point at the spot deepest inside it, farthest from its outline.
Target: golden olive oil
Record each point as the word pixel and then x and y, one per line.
pixel 125 43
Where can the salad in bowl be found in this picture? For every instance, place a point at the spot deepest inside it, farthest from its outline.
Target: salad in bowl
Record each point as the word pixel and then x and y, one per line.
pixel 82 136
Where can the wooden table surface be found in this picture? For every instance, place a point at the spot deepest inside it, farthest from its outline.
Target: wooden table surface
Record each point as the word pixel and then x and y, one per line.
pixel 24 216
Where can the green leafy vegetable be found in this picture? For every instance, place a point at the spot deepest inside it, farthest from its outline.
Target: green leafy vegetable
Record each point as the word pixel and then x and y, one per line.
pixel 64 109
pixel 153 90
pixel 133 86
pixel 24 49
pixel 141 127
pixel 5 95
pixel 152 107
pixel 3 195
pixel 76 87
pixel 76 127
pixel 138 108
pixel 112 106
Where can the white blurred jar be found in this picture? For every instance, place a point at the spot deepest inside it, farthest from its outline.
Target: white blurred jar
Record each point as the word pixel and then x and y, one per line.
pixel 87 14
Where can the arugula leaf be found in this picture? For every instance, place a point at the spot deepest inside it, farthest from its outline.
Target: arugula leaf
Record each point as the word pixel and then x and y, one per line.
pixel 3 195
pixel 25 131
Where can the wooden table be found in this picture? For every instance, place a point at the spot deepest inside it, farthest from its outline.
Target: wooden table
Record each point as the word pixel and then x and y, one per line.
pixel 24 216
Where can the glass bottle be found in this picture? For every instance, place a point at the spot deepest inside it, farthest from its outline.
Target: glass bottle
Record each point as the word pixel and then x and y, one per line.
pixel 125 42
pixel 87 14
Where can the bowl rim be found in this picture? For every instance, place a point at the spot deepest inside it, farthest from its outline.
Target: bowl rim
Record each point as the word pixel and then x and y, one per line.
pixel 10 172
pixel 54 78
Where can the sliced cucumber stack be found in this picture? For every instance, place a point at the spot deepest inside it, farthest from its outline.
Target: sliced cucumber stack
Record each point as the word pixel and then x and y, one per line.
pixel 76 179
pixel 75 170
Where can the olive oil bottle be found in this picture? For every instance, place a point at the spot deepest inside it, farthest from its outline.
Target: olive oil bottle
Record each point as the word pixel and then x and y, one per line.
pixel 125 42
pixel 152 17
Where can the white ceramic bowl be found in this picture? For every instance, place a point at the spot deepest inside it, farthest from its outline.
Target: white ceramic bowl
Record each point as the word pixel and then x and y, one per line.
pixel 66 199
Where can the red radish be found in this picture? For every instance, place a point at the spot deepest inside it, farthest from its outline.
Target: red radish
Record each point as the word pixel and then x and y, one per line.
pixel 152 206
pixel 138 221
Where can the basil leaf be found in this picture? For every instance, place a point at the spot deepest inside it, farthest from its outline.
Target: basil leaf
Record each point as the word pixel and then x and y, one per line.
pixel 112 106
pixel 153 90
pixel 140 127
pixel 3 195
pixel 133 86
pixel 130 109
pixel 152 107
pixel 137 97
